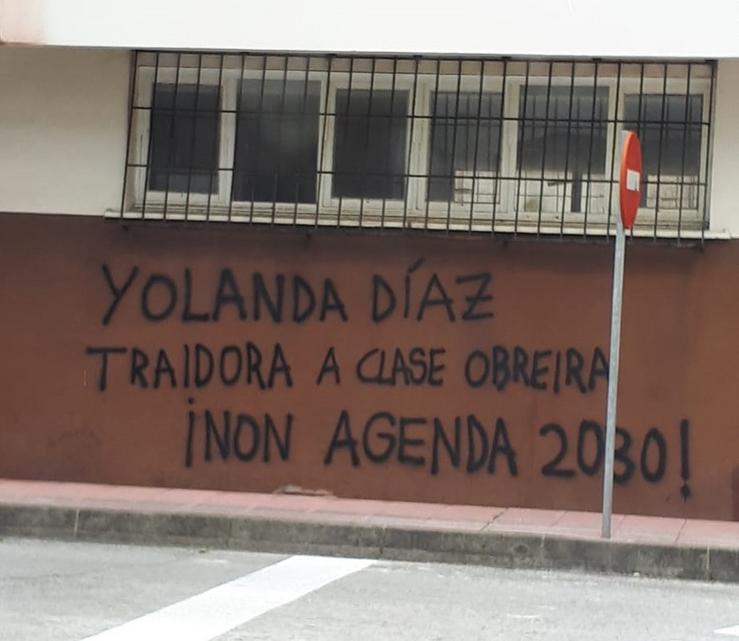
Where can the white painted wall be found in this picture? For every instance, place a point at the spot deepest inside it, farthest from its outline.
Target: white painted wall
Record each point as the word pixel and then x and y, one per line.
pixel 668 28
pixel 724 207
pixel 63 123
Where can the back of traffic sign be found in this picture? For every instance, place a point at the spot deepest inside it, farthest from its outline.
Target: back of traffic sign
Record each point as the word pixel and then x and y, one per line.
pixel 630 179
pixel 630 197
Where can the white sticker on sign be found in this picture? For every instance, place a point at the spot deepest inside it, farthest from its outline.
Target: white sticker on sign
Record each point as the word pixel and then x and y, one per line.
pixel 632 180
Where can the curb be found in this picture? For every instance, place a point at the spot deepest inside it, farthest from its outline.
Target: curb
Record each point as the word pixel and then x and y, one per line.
pixel 506 550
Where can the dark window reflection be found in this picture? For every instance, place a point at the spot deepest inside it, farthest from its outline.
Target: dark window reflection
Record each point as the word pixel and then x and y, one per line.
pixel 465 137
pixel 669 131
pixel 563 130
pixel 277 141
pixel 370 144
pixel 184 138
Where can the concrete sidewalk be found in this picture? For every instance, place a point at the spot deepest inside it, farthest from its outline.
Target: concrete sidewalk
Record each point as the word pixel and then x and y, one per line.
pixel 506 537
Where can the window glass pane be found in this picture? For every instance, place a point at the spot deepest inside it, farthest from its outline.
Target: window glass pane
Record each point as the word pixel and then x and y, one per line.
pixel 564 129
pixel 184 138
pixel 669 131
pixel 370 143
pixel 465 138
pixel 277 141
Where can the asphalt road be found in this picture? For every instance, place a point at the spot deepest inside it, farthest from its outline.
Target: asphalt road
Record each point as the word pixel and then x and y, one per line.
pixel 53 591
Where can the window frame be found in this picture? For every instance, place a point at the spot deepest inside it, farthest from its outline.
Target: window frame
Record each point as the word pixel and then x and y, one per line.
pixel 358 207
pixel 154 202
pixel 258 210
pixel 508 205
pixel 516 208
pixel 656 86
pixel 453 210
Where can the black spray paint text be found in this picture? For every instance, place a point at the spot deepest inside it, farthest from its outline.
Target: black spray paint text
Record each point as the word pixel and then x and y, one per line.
pixel 292 298
pixel 267 366
pixel 195 366
pixel 467 443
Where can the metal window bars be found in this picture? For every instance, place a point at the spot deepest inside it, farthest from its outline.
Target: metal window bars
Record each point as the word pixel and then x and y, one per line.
pixel 494 145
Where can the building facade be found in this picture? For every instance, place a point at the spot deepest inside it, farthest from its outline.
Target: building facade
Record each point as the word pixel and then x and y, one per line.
pixel 248 259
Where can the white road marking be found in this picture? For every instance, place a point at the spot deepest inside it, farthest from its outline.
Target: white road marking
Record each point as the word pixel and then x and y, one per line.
pixel 216 611
pixel 732 631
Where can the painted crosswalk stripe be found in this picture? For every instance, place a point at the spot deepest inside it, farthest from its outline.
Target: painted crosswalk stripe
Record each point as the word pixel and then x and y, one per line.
pixel 732 631
pixel 216 611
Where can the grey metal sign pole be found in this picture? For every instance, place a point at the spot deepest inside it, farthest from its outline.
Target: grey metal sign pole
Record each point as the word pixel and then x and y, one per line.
pixel 618 280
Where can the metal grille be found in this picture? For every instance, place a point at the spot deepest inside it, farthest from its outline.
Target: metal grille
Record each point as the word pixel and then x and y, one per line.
pixel 416 143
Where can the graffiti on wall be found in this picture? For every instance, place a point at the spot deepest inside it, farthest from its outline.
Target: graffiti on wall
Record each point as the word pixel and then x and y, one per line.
pixel 466 442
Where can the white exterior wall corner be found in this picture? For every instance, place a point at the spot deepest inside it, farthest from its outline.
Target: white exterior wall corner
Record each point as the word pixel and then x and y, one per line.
pixel 645 28
pixel 63 127
pixel 724 196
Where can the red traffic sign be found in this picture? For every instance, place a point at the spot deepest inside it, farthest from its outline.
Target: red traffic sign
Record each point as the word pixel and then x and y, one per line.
pixel 630 179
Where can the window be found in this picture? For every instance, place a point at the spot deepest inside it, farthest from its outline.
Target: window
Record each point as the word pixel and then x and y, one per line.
pixel 276 149
pixel 184 139
pixel 464 147
pixel 369 144
pixel 562 146
pixel 416 143
pixel 669 128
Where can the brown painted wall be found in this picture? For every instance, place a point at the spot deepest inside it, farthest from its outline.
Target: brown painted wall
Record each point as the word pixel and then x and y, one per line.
pixel 678 393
